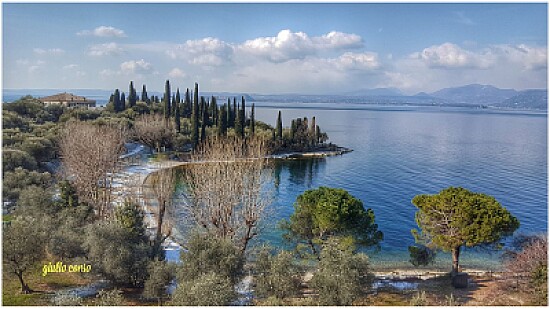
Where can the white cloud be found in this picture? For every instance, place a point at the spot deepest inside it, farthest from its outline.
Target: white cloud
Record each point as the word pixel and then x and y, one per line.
pixel 357 61
pixel 22 62
pixel 176 73
pixel 529 57
pixel 51 51
pixel 103 32
pixel 297 45
pixel 105 49
pixel 136 67
pixel 108 72
pixel 451 56
pixel 205 52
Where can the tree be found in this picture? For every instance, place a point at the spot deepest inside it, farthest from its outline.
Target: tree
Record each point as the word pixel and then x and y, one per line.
pixel 325 212
pixel 14 158
pixel 421 255
pixel 210 289
pixel 144 97
pixel 13 183
pixel 239 129
pixel 163 185
pixel 279 129
pixel 177 119
pixel 22 247
pixel 166 100
pixel 242 115
pixel 204 121
pixel 160 275
pixel 222 121
pixel 340 274
pixel 252 122
pixel 187 108
pixel 154 131
pixel 91 161
pixel 456 217
pixel 312 132
pixel 230 123
pixel 111 253
pixel 230 188
pixel 123 105
pixel 195 118
pixel 116 101
pixel 109 298
pixel 276 276
pixel 132 95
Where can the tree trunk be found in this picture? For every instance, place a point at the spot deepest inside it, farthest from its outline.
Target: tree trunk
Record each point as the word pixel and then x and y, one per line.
pixel 456 254
pixel 24 287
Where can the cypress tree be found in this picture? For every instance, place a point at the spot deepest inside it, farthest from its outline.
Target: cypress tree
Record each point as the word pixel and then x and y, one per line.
pixel 312 131
pixel 317 135
pixel 132 95
pixel 293 130
pixel 122 101
pixel 144 97
pixel 252 122
pixel 187 109
pixel 204 119
pixel 279 130
pixel 222 121
pixel 214 110
pixel 178 98
pixel 229 123
pixel 177 114
pixel 243 115
pixel 239 129
pixel 167 96
pixel 116 101
pixel 195 117
pixel 235 111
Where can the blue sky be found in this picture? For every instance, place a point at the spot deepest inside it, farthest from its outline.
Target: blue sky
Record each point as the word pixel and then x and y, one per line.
pixel 275 48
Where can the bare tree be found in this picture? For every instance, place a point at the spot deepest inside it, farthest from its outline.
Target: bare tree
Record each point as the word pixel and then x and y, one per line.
pixel 228 186
pixel 154 130
pixel 162 186
pixel 90 155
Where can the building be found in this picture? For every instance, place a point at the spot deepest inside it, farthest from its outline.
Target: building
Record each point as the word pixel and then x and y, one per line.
pixel 68 100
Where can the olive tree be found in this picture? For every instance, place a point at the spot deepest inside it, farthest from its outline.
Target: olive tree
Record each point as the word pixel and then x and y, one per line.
pixel 22 247
pixel 276 275
pixel 325 212
pixel 456 217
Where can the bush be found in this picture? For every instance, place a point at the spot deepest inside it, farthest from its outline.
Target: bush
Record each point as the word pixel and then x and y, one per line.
pixel 419 299
pixel 115 256
pixel 421 255
pixel 209 254
pixel 276 275
pixel 13 158
pixel 341 273
pixel 160 275
pixel 209 289
pixel 109 298
pixel 18 180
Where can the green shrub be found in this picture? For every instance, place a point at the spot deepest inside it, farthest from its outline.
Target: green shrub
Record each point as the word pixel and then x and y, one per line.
pixel 209 289
pixel 276 276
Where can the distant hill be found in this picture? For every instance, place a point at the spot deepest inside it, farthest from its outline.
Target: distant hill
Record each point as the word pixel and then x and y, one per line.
pixel 475 94
pixel 386 92
pixel 527 99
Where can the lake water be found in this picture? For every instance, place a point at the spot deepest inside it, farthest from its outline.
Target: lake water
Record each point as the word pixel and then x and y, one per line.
pixel 400 152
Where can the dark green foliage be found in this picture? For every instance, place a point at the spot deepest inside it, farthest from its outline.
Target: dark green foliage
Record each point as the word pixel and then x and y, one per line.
pixel 144 97
pixel 209 254
pixel 123 105
pixel 210 289
pixel 222 121
pixel 229 114
pixel 204 121
pixel 11 120
pixel 117 104
pixel 456 217
pixel 35 201
pixel 112 255
pixel 239 129
pixel 132 95
pixel 130 217
pixel 279 128
pixel 252 122
pixel 324 212
pixel 276 275
pixel 68 235
pixel 166 100
pixel 234 113
pixel 177 119
pixel 42 149
pixel 242 116
pixel 26 106
pixel 187 107
pixel 12 158
pixel 421 255
pixel 340 274
pixel 17 180
pixel 161 274
pixel 195 118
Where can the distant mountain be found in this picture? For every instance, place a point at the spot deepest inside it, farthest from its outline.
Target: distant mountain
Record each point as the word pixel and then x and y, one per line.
pixel 527 99
pixel 475 94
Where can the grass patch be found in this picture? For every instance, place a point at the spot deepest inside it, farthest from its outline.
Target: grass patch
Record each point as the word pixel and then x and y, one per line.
pixel 7 218
pixel 43 285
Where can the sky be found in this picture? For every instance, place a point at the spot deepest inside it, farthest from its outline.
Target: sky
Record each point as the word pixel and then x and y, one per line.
pixel 274 48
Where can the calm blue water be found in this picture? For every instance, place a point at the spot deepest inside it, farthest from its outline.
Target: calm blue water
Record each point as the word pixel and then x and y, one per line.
pixel 401 152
